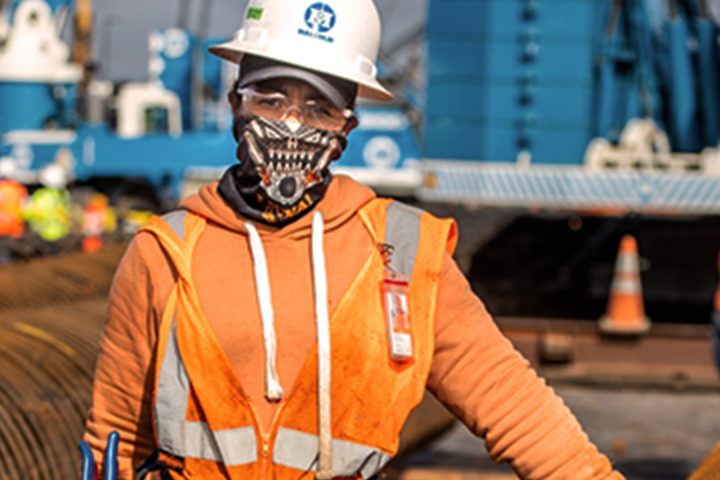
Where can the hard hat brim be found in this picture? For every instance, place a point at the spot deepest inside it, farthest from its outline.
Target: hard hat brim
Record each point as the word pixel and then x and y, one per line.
pixel 289 71
pixel 367 88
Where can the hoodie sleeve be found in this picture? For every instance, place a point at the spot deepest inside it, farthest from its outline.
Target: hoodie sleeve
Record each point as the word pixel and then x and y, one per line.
pixel 492 389
pixel 122 390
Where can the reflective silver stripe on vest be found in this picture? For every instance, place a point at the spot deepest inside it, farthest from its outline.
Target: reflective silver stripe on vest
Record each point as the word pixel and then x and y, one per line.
pixel 192 439
pixel 402 231
pixel 176 221
pixel 299 450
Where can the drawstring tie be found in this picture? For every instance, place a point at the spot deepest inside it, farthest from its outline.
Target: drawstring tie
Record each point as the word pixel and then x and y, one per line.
pixel 273 390
pixel 322 326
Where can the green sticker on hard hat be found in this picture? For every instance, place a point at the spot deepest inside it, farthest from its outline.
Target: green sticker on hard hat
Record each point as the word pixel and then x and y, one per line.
pixel 254 13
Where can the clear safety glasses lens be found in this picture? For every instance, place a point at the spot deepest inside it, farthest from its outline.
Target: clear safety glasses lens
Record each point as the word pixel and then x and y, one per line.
pixel 320 113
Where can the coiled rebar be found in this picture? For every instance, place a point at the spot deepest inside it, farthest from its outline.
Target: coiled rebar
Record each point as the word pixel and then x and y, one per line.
pixel 51 316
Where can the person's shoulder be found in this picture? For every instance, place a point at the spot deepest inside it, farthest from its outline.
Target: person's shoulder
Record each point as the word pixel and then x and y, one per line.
pixel 411 208
pixel 145 248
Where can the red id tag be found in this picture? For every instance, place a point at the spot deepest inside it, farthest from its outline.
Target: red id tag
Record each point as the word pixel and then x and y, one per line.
pixel 395 299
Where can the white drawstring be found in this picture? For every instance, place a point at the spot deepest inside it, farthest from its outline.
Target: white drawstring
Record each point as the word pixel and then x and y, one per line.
pixel 273 390
pixel 322 325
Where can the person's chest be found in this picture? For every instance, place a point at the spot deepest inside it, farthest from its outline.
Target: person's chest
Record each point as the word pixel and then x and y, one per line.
pixel 223 274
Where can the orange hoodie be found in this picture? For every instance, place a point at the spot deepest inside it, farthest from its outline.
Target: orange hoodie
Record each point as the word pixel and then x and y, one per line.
pixel 475 372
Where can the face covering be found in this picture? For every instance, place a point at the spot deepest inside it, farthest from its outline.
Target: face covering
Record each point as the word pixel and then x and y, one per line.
pixel 283 170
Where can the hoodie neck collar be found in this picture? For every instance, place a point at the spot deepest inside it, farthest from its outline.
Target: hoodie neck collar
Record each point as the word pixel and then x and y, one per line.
pixel 344 197
pixel 266 211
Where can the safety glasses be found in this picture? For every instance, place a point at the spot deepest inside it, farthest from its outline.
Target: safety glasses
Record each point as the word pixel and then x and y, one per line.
pixel 317 113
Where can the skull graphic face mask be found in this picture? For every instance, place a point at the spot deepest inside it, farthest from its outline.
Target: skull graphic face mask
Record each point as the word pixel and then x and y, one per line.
pixel 283 171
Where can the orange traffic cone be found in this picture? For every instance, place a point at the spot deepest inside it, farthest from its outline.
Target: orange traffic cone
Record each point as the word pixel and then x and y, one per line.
pixel 626 312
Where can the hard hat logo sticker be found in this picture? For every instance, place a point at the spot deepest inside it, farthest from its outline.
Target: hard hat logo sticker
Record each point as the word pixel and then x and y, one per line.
pixel 254 13
pixel 320 18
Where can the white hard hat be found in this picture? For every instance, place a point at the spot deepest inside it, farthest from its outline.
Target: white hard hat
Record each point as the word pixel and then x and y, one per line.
pixel 337 37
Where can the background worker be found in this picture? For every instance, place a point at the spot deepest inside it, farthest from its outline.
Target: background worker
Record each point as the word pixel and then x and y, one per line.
pixel 47 210
pixel 13 196
pixel 267 329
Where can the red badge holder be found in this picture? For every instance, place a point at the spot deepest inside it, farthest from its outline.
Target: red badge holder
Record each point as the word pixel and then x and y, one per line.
pixel 395 289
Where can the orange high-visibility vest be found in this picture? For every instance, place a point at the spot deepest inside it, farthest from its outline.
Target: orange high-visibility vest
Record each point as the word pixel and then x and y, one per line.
pixel 204 420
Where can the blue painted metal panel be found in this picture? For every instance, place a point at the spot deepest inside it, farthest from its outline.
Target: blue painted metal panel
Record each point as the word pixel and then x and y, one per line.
pixel 512 17
pixel 559 146
pixel 568 104
pixel 30 105
pixel 458 17
pixel 502 141
pixel 568 62
pixel 470 142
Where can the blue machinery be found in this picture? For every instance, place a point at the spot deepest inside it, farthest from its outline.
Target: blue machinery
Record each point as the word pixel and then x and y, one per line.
pixel 549 103
pixel 173 128
pixel 528 103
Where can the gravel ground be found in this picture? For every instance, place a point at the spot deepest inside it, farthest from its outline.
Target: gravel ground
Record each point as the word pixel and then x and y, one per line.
pixel 649 435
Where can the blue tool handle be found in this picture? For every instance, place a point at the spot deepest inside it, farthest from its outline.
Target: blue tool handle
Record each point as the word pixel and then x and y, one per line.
pixel 88 462
pixel 111 451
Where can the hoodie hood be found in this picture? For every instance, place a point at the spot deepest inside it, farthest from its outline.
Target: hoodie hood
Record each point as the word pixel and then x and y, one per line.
pixel 342 200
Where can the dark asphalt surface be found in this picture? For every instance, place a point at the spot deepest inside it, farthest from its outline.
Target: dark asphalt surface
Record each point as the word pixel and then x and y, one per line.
pixel 649 435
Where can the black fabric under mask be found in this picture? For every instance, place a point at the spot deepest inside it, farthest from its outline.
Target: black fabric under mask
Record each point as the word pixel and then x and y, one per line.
pixel 283 172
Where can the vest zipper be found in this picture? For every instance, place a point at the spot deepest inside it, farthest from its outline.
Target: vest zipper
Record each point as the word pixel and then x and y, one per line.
pixel 265 437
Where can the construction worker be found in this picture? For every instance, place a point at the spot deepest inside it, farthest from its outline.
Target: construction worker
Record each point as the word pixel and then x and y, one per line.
pixel 98 218
pixel 47 211
pixel 284 322
pixel 12 198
